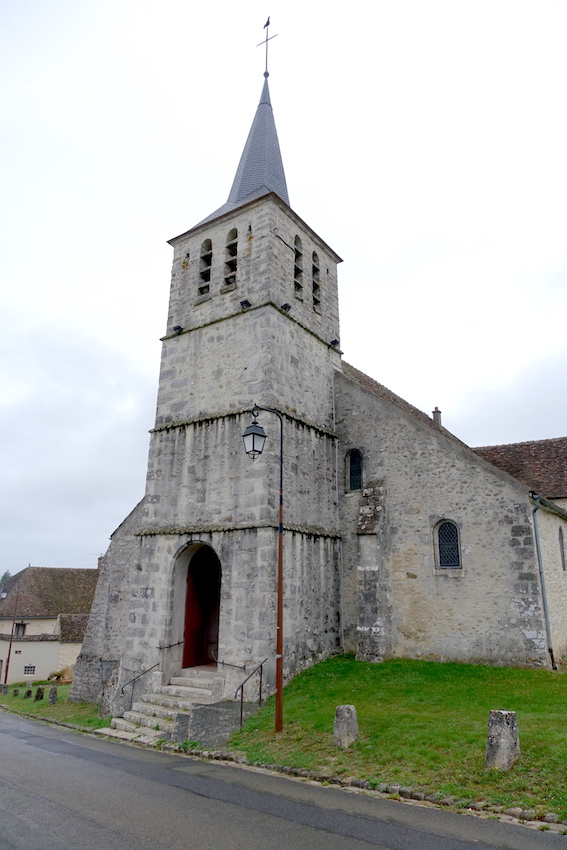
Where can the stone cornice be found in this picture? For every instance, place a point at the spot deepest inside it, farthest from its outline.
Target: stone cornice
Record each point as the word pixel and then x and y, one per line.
pixel 241 313
pixel 177 531
pixel 197 420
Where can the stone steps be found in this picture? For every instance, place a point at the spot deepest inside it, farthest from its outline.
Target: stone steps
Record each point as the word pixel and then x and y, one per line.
pixel 155 710
pixel 145 737
pixel 186 694
pixel 167 702
pixel 140 718
pixel 190 706
pixel 200 686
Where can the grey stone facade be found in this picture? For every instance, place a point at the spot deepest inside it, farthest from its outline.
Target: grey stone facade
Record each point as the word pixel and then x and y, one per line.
pixel 253 318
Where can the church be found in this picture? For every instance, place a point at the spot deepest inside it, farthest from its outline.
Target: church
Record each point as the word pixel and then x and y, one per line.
pixel 398 539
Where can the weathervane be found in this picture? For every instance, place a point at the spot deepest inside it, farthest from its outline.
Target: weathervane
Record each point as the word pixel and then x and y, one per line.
pixel 266 40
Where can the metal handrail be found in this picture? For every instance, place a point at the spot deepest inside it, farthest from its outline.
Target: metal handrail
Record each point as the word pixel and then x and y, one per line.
pixel 227 663
pixel 241 689
pixel 131 682
pixel 170 646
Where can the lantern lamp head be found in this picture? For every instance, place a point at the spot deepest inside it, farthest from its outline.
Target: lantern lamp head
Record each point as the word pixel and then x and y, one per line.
pixel 254 438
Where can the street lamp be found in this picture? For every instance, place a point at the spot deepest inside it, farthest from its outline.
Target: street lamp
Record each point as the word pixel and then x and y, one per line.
pixel 254 438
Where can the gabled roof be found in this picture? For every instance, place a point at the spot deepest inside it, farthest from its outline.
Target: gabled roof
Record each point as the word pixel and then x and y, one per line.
pixel 260 170
pixel 542 464
pixel 383 392
pixel 49 591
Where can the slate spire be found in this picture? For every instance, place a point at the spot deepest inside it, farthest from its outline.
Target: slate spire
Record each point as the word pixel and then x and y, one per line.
pixel 261 161
pixel 261 168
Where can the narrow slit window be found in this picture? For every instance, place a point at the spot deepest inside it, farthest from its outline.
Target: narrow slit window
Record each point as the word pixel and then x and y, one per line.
pixel 562 550
pixel 355 470
pixel 298 268
pixel 448 542
pixel 316 279
pixel 231 257
pixel 205 264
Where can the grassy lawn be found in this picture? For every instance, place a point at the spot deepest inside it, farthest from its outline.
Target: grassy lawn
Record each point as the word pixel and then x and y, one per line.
pixel 423 724
pixel 80 713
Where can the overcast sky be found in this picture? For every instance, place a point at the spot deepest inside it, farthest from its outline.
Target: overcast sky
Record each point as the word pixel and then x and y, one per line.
pixel 424 140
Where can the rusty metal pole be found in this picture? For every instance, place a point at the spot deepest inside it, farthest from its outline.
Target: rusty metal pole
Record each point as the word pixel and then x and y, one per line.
pixel 279 624
pixel 279 580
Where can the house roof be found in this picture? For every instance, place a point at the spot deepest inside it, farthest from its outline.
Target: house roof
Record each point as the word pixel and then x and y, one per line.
pixel 73 627
pixel 542 464
pixel 49 591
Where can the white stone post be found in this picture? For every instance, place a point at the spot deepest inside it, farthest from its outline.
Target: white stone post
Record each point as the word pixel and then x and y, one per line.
pixel 346 726
pixel 503 743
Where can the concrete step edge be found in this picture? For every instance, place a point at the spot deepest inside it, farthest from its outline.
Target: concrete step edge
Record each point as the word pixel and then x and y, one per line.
pixel 176 703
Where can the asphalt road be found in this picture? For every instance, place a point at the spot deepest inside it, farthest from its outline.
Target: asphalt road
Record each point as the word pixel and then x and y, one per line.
pixel 61 790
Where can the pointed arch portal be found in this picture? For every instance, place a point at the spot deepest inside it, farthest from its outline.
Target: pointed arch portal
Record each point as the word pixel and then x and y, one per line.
pixel 202 602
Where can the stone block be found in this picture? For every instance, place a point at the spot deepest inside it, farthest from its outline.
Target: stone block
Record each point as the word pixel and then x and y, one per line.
pixel 52 699
pixel 503 742
pixel 346 726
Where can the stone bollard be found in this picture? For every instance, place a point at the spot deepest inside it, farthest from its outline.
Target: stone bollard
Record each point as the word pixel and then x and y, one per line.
pixel 52 695
pixel 346 726
pixel 503 743
pixel 4 689
pixel 16 692
pixel 38 694
pixel 28 693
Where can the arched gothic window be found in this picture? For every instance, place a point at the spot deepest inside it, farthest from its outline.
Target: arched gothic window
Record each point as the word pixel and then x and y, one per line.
pixel 231 257
pixel 448 549
pixel 354 470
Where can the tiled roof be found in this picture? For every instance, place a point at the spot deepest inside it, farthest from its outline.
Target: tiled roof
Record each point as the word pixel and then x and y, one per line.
pixel 49 591
pixel 73 627
pixel 542 464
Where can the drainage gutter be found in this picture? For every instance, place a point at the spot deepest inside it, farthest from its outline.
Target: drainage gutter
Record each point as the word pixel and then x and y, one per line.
pixel 538 501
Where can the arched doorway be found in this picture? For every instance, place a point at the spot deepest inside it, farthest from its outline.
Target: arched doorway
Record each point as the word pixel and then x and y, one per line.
pixel 202 602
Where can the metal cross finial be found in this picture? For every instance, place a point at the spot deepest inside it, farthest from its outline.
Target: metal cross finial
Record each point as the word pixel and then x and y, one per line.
pixel 266 40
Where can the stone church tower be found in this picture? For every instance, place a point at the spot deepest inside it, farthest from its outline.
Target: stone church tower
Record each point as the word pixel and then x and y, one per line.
pixel 190 575
pixel 400 540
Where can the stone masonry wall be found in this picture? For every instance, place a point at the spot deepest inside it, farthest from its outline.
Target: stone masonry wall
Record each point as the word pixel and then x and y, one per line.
pixel 199 477
pixel 487 611
pixel 105 635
